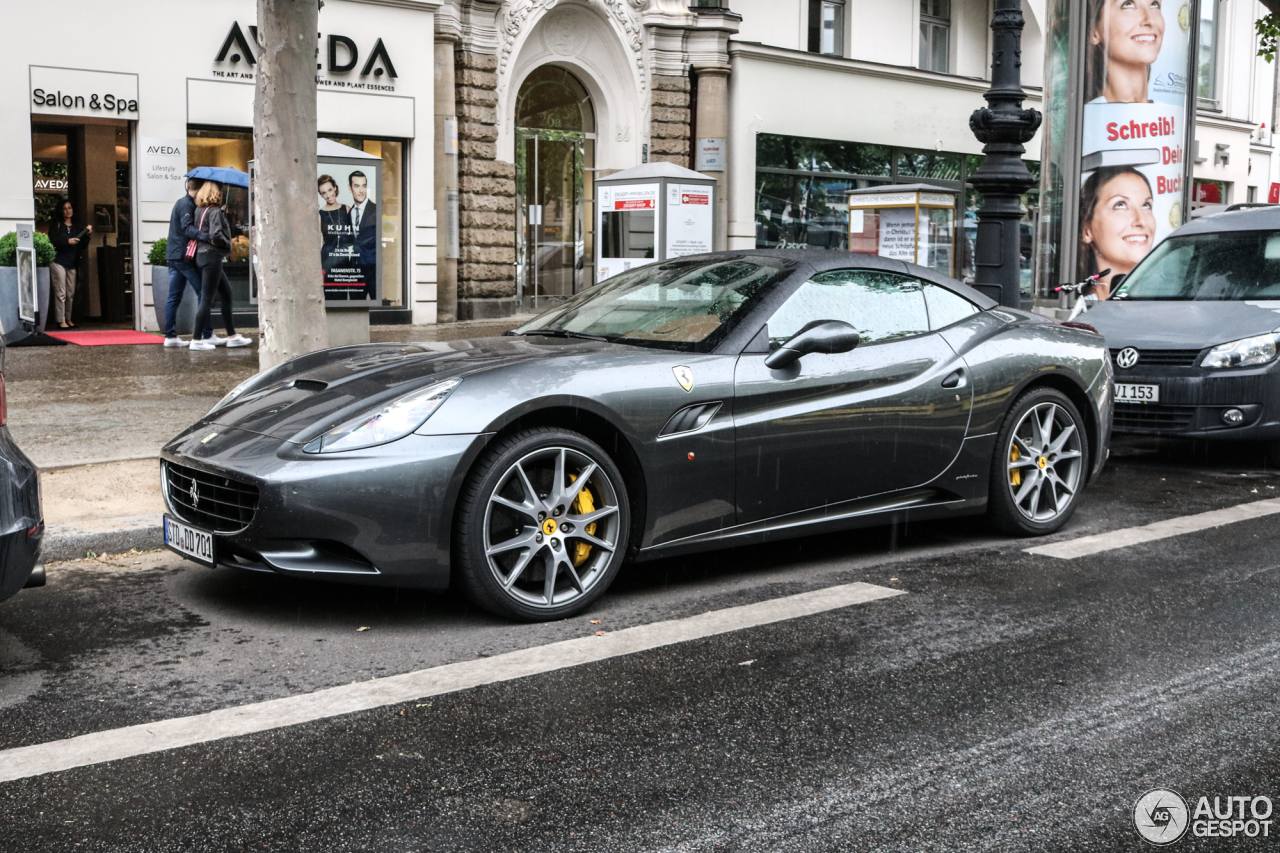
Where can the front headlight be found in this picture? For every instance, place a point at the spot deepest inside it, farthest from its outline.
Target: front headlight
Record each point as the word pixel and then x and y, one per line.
pixel 393 421
pixel 1249 352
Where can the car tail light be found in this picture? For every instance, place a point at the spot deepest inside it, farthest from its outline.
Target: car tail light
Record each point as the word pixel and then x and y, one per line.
pixel 1084 326
pixel 3 408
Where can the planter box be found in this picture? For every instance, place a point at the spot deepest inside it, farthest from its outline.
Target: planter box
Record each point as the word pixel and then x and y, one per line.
pixel 11 326
pixel 186 319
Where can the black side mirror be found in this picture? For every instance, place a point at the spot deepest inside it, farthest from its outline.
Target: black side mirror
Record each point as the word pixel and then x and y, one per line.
pixel 824 336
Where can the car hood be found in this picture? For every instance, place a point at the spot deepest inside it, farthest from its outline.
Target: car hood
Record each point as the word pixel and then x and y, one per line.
pixel 317 392
pixel 1180 325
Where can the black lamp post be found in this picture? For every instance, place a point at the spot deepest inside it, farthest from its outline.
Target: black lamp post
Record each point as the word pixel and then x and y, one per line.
pixel 1003 126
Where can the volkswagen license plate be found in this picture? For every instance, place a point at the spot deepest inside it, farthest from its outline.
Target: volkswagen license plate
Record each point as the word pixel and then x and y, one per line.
pixel 1127 393
pixel 190 542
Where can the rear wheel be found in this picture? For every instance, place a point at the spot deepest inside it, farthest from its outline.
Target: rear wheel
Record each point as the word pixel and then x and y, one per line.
pixel 1040 465
pixel 542 525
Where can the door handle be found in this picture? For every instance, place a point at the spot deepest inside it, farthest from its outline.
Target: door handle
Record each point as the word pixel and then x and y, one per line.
pixel 955 379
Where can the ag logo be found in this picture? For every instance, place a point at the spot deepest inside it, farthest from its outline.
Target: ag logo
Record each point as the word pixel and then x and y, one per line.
pixel 1160 816
pixel 1127 358
pixel 684 375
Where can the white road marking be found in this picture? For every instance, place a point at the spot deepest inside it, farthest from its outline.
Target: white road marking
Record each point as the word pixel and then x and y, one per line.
pixel 1086 545
pixel 25 761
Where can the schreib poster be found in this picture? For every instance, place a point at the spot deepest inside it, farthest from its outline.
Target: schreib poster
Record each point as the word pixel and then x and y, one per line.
pixel 1136 96
pixel 349 230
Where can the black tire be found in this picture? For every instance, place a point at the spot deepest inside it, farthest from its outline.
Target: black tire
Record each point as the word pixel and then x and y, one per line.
pixel 1015 504
pixel 495 509
pixel 1273 452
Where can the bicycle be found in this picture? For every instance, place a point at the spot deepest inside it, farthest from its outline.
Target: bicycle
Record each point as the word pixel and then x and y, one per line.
pixel 1086 295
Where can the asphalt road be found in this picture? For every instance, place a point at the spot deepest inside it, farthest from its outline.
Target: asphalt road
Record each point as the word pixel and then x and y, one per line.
pixel 1005 702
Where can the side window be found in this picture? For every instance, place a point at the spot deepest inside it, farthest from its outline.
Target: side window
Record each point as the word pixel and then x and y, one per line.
pixel 881 306
pixel 946 307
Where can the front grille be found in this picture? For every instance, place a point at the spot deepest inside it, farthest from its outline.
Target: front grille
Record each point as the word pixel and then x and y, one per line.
pixel 211 501
pixel 1164 357
pixel 1144 417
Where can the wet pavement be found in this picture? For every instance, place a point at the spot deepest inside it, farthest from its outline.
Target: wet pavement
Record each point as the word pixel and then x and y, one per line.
pixel 1006 702
pixel 77 405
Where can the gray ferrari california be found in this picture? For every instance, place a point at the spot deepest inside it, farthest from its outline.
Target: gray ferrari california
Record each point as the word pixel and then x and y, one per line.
pixel 706 402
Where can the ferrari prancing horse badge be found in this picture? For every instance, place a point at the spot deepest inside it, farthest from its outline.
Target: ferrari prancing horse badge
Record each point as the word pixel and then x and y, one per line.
pixel 684 375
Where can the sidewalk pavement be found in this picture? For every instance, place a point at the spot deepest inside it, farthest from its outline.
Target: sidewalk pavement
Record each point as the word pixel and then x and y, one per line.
pixel 94 419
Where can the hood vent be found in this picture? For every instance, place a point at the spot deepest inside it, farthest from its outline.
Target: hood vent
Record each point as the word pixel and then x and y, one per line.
pixel 690 418
pixel 310 384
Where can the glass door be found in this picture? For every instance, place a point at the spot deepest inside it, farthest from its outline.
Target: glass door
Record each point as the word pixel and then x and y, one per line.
pixel 549 185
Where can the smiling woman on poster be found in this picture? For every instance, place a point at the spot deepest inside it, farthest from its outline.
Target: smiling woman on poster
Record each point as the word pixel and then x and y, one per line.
pixel 1125 38
pixel 1118 223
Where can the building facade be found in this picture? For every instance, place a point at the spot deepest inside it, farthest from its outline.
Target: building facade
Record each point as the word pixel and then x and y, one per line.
pixel 492 119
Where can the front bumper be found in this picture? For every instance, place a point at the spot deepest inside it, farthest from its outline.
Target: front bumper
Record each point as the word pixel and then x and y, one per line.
pixel 1193 399
pixel 379 516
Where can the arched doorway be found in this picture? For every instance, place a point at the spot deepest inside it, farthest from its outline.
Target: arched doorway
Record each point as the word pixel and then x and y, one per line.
pixel 555 145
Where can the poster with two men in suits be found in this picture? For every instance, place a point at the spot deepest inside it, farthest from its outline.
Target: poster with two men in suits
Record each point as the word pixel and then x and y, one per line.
pixel 350 229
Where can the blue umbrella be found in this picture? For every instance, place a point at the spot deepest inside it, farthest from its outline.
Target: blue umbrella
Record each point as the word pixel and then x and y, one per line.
pixel 221 174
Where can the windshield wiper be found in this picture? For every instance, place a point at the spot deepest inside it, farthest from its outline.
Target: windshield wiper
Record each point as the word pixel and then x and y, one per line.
pixel 562 333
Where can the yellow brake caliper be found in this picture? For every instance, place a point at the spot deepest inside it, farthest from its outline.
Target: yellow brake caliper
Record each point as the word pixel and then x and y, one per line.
pixel 1015 475
pixel 584 503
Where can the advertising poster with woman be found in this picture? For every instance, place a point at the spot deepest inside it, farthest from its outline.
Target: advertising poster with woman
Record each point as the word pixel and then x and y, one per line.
pixel 349 230
pixel 1134 130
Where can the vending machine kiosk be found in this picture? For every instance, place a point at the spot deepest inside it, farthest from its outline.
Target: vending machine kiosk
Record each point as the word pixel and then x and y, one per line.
pixel 914 223
pixel 649 213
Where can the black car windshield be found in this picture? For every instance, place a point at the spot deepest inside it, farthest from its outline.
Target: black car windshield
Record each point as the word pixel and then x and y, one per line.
pixel 1219 267
pixel 680 305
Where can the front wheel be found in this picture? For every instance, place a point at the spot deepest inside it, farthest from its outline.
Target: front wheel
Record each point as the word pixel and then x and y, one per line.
pixel 542 525
pixel 1040 465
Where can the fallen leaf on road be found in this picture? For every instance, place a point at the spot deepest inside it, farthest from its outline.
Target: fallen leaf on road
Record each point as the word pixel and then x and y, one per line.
pixel 891 580
pixel 599 633
pixel 595 621
pixel 365 628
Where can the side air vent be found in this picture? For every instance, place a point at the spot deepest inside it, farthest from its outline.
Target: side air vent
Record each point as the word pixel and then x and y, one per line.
pixel 310 384
pixel 690 418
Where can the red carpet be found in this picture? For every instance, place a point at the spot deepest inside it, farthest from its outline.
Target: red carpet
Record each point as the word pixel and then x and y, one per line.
pixel 108 338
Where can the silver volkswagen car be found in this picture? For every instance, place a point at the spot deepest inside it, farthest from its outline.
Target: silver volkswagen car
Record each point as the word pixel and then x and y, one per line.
pixel 1193 332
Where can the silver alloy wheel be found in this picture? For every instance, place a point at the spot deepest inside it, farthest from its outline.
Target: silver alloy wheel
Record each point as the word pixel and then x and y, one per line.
pixel 1045 462
pixel 551 527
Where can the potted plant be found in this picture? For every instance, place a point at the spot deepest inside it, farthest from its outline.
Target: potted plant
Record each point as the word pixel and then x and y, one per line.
pixel 186 318
pixel 45 253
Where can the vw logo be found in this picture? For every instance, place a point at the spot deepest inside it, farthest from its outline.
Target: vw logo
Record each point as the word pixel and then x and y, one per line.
pixel 1127 358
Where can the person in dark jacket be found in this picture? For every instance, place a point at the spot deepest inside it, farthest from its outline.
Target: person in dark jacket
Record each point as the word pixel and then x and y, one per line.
pixel 210 255
pixel 182 270
pixel 66 238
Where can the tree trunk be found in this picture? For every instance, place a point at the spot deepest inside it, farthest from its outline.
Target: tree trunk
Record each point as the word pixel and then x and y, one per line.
pixel 286 226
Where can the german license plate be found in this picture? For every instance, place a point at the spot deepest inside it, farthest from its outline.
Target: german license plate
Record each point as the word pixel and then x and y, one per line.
pixel 1129 393
pixel 190 542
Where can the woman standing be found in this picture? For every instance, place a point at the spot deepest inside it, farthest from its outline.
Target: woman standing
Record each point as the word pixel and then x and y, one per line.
pixel 335 227
pixel 66 238
pixel 212 219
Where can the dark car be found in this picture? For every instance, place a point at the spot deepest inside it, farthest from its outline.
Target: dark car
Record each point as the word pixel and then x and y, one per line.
pixel 711 401
pixel 1193 332
pixel 21 525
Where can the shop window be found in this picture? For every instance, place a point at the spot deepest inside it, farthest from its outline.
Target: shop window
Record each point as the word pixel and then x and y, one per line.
pixel 1207 77
pixel 1211 192
pixel 929 165
pixel 234 148
pixel 774 151
pixel 826 27
pixel 935 35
